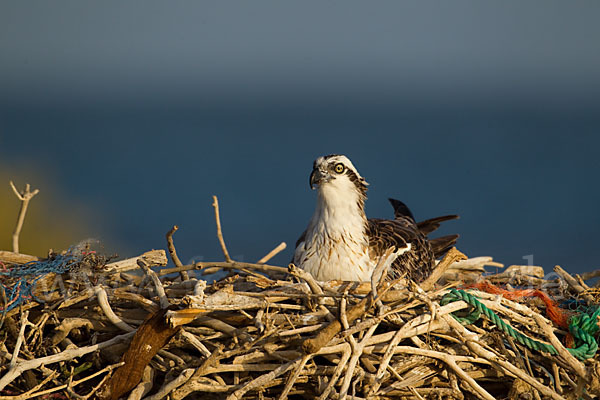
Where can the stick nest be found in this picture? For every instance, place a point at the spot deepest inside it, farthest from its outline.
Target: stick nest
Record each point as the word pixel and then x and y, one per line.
pixel 130 330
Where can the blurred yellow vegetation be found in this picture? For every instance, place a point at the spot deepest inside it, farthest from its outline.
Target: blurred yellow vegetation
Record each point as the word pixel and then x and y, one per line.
pixel 52 221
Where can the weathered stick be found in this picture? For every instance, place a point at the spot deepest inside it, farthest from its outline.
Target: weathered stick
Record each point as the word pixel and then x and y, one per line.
pixel 305 276
pixel 144 386
pixel 571 361
pixel 225 265
pixel 313 345
pixel 173 253
pixel 219 231
pixel 387 357
pixel 30 394
pixel 9 257
pixel 167 388
pixel 590 275
pixel 152 257
pixel 107 310
pixel 572 282
pixel 292 379
pixel 450 258
pixel 357 351
pixel 160 290
pixel 20 338
pixel 263 379
pixel 280 247
pixel 196 343
pixel 336 374
pixel 25 197
pixel 66 326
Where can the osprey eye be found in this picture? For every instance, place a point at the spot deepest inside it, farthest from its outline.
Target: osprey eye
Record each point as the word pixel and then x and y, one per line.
pixel 339 168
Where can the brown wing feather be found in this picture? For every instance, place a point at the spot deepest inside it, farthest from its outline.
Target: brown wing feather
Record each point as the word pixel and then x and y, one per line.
pixel 441 245
pixel 415 263
pixel 430 225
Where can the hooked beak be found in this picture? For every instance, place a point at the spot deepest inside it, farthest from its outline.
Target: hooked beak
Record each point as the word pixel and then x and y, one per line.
pixel 317 177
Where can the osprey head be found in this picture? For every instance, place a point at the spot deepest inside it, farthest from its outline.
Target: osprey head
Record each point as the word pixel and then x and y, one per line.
pixel 336 172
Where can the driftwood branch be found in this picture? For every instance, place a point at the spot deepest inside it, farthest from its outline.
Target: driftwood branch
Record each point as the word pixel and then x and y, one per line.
pixel 219 231
pixel 225 265
pixel 160 290
pixel 9 257
pixel 152 257
pixel 171 247
pixel 25 197
pixel 450 258
pixel 576 286
pixel 20 338
pixel 280 247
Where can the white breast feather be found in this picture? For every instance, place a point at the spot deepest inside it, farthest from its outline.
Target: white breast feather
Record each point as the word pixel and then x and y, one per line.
pixel 335 245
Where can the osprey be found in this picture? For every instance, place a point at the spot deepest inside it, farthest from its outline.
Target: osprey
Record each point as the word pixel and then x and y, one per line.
pixel 341 243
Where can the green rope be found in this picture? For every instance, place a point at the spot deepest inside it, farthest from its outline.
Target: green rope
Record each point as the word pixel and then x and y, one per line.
pixel 582 326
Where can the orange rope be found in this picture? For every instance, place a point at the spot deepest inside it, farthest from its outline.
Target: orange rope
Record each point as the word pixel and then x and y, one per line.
pixel 559 316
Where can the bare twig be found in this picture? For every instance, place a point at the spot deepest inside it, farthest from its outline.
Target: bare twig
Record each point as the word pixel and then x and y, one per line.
pixel 381 270
pixel 264 379
pixel 66 326
pixel 9 257
pixel 173 253
pixel 25 197
pixel 195 342
pixel 219 231
pixel 110 314
pixel 343 363
pixel 167 388
pixel 452 363
pixel 572 282
pixel 294 377
pixel 225 265
pixel 20 339
pixel 306 276
pixel 144 386
pixel 450 258
pixel 590 275
pixel 152 257
pixel 563 353
pixel 91 393
pixel 280 247
pixel 160 290
pixel 356 353
pixel 386 361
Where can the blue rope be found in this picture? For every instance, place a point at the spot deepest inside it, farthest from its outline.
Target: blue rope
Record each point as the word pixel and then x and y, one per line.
pixel 26 276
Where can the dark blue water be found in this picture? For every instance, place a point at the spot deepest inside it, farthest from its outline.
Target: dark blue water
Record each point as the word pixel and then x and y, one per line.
pixel 525 182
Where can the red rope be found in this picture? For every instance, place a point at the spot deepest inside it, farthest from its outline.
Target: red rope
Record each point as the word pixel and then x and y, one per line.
pixel 559 316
